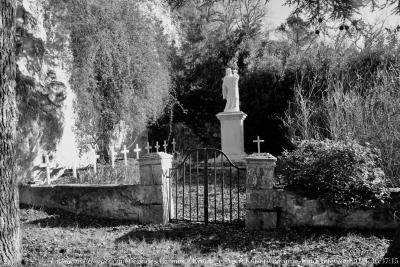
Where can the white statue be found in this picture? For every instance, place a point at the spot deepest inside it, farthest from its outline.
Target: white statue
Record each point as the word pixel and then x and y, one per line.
pixel 230 90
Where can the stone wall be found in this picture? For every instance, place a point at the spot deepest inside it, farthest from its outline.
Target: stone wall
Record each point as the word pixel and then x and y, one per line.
pixel 268 207
pixel 147 202
pixel 296 210
pixel 138 203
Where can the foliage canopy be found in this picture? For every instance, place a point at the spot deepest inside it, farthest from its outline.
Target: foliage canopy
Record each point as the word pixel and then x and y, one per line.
pixel 121 69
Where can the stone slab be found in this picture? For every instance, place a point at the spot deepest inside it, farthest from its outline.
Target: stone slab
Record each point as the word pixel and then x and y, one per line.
pixel 261 220
pixel 266 199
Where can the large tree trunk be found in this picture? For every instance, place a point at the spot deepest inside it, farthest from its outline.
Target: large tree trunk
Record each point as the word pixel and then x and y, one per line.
pixel 392 256
pixel 9 220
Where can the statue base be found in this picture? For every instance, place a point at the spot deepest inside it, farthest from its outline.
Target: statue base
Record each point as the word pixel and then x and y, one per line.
pixel 232 134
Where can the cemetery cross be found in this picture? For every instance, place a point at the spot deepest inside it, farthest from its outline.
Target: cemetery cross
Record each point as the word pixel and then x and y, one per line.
pixel 46 165
pixel 74 169
pixel 157 146
pixel 165 145
pixel 258 141
pixel 137 150
pixel 112 157
pixel 173 145
pixel 148 148
pixel 95 157
pixel 125 152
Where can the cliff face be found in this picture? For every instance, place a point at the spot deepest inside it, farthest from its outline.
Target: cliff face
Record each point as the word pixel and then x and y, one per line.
pixel 44 94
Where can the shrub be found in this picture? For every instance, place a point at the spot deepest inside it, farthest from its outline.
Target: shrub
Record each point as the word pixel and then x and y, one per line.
pixel 345 174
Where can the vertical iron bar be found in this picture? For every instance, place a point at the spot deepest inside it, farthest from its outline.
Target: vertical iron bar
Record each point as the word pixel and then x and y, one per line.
pixel 190 188
pixel 197 196
pixel 230 193
pixel 176 193
pixel 169 195
pixel 215 187
pixel 238 194
pixel 205 186
pixel 183 192
pixel 222 186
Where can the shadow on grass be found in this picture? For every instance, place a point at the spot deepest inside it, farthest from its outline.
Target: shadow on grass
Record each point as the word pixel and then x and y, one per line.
pixel 47 217
pixel 211 238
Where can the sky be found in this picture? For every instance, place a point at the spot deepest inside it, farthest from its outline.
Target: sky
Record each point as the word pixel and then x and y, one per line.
pixel 277 13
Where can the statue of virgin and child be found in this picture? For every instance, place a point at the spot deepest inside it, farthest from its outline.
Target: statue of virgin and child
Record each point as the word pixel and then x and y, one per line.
pixel 230 90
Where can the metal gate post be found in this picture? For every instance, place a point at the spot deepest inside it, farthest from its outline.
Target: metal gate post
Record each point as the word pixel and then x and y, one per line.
pixel 205 186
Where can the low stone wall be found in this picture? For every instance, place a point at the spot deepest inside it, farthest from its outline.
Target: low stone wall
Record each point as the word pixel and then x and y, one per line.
pixel 292 209
pixel 268 207
pixel 147 202
pixel 138 203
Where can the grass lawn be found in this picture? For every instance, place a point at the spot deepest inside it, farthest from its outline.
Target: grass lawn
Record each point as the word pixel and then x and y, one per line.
pixel 61 239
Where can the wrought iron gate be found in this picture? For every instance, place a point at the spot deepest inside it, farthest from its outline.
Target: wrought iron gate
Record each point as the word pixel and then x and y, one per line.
pixel 206 186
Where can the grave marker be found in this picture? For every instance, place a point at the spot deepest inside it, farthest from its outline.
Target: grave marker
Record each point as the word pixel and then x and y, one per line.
pixel 74 169
pixel 137 150
pixel 112 157
pixel 173 145
pixel 46 165
pixel 95 157
pixel 258 141
pixel 125 152
pixel 148 148
pixel 165 145
pixel 157 146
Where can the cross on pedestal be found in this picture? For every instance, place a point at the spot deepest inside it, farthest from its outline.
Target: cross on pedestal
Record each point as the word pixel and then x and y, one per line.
pixel 165 145
pixel 258 141
pixel 137 150
pixel 46 165
pixel 148 148
pixel 95 157
pixel 125 152
pixel 173 145
pixel 157 146
pixel 112 157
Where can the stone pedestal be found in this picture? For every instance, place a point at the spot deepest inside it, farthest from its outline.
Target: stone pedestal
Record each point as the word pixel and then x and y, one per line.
pixel 232 139
pixel 154 172
pixel 261 213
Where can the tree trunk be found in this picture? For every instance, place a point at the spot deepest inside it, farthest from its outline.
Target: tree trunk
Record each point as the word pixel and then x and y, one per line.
pixel 392 256
pixel 9 219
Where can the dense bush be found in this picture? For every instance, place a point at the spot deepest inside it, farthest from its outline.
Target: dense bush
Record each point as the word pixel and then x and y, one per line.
pixel 345 174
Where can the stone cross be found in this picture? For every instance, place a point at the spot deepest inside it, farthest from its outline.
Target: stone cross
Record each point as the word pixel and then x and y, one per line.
pixel 148 148
pixel 95 157
pixel 46 165
pixel 173 145
pixel 74 169
pixel 258 141
pixel 137 150
pixel 165 145
pixel 125 152
pixel 157 146
pixel 112 157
